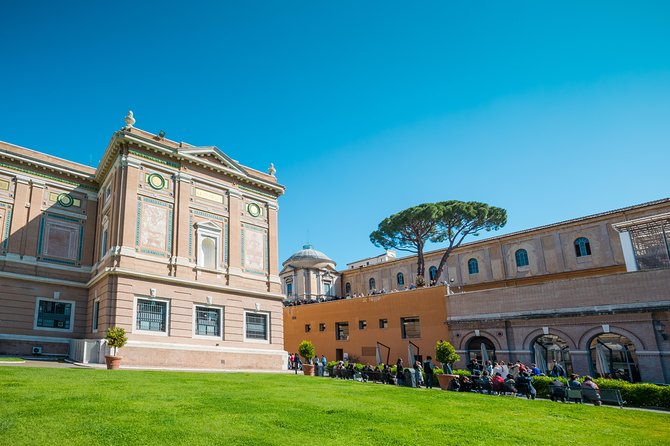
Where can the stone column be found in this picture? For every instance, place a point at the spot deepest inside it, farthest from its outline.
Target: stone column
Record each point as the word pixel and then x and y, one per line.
pixel 581 363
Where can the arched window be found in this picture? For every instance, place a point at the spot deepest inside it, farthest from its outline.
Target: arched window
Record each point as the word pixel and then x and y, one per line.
pixel 549 352
pixel 401 279
pixel 481 349
pixel 473 266
pixel 208 249
pixel 521 257
pixel 582 247
pixel 372 284
pixel 614 356
pixel 347 289
pixel 432 272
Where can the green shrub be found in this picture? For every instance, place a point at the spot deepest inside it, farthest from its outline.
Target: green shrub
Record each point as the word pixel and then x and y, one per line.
pixel 446 353
pixel 461 372
pixel 116 338
pixel 634 394
pixel 306 350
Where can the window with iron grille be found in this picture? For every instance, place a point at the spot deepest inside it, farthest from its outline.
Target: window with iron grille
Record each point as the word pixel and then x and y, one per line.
pixel 207 321
pixel 54 314
pixel 257 326
pixel 151 315
pixel 342 331
pixel 383 323
pixel 362 325
pixel 410 327
pixel 322 327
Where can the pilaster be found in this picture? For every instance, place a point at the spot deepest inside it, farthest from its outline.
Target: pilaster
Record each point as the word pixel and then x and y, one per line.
pixel 17 232
pixel 234 232
pixel 181 218
pixel 34 217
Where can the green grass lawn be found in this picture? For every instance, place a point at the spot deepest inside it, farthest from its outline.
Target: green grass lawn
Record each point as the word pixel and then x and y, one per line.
pixel 11 359
pixel 40 406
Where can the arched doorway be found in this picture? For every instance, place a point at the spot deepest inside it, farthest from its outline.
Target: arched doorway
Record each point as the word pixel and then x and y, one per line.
pixel 613 356
pixel 549 348
pixel 481 349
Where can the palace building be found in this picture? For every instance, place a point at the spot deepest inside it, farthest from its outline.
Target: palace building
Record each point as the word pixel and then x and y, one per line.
pixel 592 293
pixel 175 243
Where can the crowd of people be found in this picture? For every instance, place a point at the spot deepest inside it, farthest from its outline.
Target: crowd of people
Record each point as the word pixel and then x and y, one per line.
pixel 489 377
pixel 374 292
pixel 501 378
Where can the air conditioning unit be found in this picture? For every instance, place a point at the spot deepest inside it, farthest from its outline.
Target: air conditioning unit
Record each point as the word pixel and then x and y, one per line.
pixel 37 350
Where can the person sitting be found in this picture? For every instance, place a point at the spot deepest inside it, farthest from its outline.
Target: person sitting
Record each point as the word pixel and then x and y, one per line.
pixel 524 385
pixel 509 385
pixel 593 394
pixel 573 383
pixel 465 385
pixel 534 370
pixel 498 383
pixel 557 390
pixel 486 382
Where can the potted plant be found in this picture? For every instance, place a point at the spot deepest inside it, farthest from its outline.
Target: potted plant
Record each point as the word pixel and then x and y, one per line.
pixel 420 281
pixel 306 350
pixel 116 338
pixel 446 354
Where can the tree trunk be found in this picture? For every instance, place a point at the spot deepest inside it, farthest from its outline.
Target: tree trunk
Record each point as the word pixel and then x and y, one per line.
pixel 420 267
pixel 442 264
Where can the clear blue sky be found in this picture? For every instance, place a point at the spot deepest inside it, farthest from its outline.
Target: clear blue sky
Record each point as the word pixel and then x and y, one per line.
pixel 552 110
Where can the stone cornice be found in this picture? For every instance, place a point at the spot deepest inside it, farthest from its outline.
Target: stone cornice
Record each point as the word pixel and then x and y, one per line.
pixel 565 312
pixel 183 282
pixel 124 136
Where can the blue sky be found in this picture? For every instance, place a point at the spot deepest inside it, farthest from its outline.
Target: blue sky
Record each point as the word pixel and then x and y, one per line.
pixel 552 110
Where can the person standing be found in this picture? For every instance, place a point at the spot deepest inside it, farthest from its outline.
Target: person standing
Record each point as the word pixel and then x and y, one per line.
pixel 429 370
pixel 557 370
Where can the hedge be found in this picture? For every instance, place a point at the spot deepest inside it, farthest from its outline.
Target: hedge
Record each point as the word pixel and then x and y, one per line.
pixel 634 394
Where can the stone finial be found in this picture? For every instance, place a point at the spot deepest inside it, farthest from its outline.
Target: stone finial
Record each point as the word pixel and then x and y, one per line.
pixel 272 170
pixel 130 121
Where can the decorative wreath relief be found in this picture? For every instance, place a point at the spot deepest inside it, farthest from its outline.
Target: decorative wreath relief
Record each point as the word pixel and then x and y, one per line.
pixel 254 209
pixel 65 200
pixel 156 181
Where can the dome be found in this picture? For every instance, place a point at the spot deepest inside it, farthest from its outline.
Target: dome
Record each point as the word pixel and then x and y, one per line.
pixel 308 257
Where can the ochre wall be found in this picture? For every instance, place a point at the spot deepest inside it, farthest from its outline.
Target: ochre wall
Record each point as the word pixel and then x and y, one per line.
pixel 426 303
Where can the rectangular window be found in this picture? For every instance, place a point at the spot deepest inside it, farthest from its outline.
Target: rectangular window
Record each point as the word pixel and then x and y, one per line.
pixel 410 327
pixel 257 326
pixel 289 289
pixel 96 312
pixel 151 315
pixel 383 323
pixel 103 243
pixel 308 328
pixel 326 288
pixel 362 325
pixel 208 321
pixel 53 314
pixel 342 331
pixel 322 327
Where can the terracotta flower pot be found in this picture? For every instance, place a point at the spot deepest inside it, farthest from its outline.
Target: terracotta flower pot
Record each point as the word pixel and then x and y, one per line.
pixel 445 380
pixel 308 369
pixel 113 362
